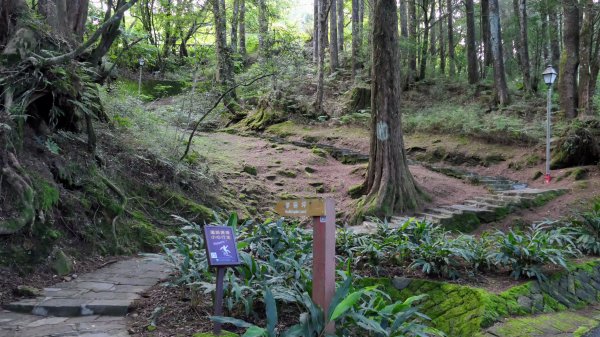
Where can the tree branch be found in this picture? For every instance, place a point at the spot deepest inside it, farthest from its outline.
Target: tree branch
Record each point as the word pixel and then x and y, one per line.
pixel 68 56
pixel 189 143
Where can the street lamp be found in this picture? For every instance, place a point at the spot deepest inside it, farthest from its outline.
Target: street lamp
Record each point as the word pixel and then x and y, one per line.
pixel 549 78
pixel 141 61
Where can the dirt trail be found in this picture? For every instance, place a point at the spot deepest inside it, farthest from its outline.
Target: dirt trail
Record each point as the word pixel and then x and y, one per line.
pixel 287 171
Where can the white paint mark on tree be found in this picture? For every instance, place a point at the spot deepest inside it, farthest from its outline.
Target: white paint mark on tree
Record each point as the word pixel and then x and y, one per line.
pixel 383 132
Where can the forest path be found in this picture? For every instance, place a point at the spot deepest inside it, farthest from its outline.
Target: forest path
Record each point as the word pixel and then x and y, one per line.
pixel 93 305
pixel 560 324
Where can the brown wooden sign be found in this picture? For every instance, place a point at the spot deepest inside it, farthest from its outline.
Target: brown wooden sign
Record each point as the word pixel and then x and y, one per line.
pixel 300 207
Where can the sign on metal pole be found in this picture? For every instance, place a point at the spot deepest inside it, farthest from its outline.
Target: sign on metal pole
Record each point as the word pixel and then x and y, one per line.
pixel 323 221
pixel 221 252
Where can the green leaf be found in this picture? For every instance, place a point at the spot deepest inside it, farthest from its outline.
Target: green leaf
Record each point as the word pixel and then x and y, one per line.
pixel 229 320
pixel 346 304
pixel 255 331
pixel 271 308
pixel 233 221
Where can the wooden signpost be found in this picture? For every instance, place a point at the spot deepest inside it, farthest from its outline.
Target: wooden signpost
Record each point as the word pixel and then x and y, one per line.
pixel 322 212
pixel 221 252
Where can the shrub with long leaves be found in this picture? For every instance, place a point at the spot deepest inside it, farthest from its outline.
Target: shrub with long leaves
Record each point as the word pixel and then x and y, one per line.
pixel 525 253
pixel 587 230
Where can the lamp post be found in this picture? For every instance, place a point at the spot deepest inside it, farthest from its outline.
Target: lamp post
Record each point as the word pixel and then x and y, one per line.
pixel 549 78
pixel 142 61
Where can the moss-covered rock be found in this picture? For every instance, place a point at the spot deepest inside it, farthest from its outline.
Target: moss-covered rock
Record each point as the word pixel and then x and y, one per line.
pixel 62 264
pixel 579 145
pixel 251 170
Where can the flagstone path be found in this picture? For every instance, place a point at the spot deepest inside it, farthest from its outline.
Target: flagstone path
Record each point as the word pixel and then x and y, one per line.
pixel 560 324
pixel 92 305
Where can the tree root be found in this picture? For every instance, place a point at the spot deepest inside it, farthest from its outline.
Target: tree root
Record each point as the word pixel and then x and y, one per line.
pixel 123 197
pixel 19 182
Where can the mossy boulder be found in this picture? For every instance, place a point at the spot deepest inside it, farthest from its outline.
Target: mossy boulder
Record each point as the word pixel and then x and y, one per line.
pixel 62 264
pixel 251 170
pixel 579 145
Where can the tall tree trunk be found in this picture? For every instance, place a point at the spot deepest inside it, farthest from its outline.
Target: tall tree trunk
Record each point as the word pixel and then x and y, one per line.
pixel 485 34
pixel 355 38
pixel 523 44
pixel 412 33
pixel 497 54
pixel 442 44
pixel 585 53
pixel 567 79
pixel 340 23
pixel 334 59
pixel 323 5
pixel 108 36
pixel 433 34
pixel 389 185
pixel 234 25
pixel 263 30
pixel 545 35
pixel 451 54
pixel 471 51
pixel 554 32
pixel 242 32
pixel 66 17
pixel 404 19
pixel 425 41
pixel 224 62
pixel 316 35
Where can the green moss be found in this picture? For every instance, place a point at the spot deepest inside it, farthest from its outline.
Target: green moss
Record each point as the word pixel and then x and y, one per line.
pixel 579 173
pixel 287 173
pixel 319 152
pixel 251 170
pixel 356 191
pixel 179 201
pixel 537 175
pixel 47 195
pixel 284 129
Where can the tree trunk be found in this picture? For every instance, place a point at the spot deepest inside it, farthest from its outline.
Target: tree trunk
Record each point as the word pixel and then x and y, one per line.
pixel 323 4
pixel 451 61
pixel 585 53
pixel 497 54
pixel 567 79
pixel 404 19
pixel 485 34
pixel 333 40
pixel 316 35
pixel 242 32
pixel 263 31
pixel 545 35
pixel 65 17
pixel 389 185
pixel 224 63
pixel 554 33
pixel 523 44
pixel 340 23
pixel 471 51
pixel 234 25
pixel 108 37
pixel 412 33
pixel 442 43
pixel 355 40
pixel 425 41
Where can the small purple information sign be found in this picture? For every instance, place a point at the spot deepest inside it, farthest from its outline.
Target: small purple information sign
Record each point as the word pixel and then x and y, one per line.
pixel 221 248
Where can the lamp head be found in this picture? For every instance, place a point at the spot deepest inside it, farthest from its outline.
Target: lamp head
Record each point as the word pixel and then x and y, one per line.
pixel 549 75
pixel 142 61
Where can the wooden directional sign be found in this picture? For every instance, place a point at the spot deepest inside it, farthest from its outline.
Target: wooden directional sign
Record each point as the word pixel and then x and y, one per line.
pixel 301 207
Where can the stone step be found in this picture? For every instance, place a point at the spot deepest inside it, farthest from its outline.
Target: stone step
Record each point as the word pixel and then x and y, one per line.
pixel 68 307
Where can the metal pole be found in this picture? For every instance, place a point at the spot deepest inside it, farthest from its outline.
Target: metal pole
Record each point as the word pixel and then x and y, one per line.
pixel 140 82
pixel 548 125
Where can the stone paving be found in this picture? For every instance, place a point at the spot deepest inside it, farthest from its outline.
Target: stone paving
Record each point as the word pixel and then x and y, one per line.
pixel 561 324
pixel 471 213
pixel 93 305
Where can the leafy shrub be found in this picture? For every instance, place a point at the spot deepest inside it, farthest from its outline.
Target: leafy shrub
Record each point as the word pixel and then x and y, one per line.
pixel 438 255
pixel 356 312
pixel 525 253
pixel 588 231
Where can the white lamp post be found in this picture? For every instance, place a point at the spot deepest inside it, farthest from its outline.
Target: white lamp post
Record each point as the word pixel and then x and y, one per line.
pixel 549 78
pixel 142 61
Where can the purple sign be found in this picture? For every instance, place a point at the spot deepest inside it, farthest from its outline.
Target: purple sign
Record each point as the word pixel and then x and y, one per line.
pixel 221 248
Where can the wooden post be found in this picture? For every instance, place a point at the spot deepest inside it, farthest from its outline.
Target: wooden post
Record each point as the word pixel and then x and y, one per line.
pixel 324 259
pixel 218 309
